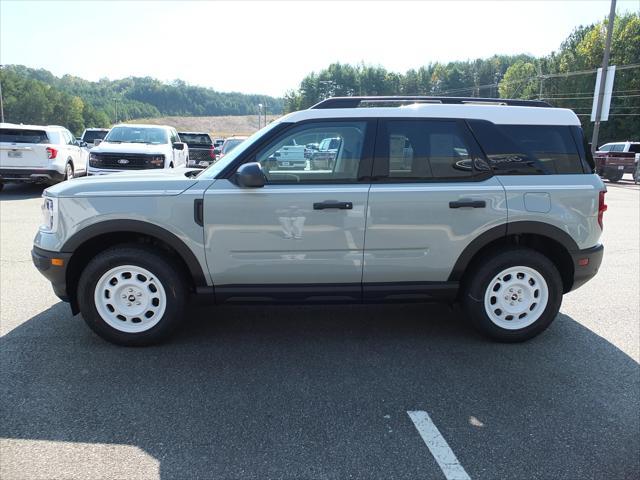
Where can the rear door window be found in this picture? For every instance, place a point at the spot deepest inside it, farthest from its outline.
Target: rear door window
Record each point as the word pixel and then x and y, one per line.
pixel 528 149
pixel 423 150
pixel 15 135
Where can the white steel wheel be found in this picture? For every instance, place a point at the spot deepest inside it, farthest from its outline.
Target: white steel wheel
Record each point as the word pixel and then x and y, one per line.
pixel 130 299
pixel 516 297
pixel 69 171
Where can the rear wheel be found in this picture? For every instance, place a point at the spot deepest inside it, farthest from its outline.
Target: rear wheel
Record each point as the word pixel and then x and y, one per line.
pixel 615 176
pixel 513 295
pixel 131 295
pixel 68 171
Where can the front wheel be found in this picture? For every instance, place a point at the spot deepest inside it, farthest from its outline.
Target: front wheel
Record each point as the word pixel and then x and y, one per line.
pixel 513 295
pixel 131 295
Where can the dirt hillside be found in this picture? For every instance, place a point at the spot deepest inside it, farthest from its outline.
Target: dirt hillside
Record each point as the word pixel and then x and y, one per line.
pixel 216 126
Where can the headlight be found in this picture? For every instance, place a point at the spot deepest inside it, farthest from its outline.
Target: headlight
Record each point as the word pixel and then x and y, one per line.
pixel 49 214
pixel 94 161
pixel 157 161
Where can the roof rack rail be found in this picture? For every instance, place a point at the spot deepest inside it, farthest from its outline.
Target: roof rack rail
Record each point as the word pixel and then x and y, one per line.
pixel 355 102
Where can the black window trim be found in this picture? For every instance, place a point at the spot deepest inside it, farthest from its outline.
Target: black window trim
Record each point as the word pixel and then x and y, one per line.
pixel 364 168
pixel 476 153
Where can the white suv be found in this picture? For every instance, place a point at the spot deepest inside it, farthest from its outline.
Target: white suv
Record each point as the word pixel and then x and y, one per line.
pixel 138 147
pixel 39 154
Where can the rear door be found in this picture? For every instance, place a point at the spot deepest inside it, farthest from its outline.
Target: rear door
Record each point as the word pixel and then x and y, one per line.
pixel 434 194
pixel 23 148
pixel 301 235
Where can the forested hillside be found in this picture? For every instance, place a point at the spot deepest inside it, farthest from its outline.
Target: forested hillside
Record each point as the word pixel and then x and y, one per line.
pixel 39 97
pixel 565 78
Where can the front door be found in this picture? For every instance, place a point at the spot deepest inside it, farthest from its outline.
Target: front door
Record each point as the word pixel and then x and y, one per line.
pixel 434 194
pixel 301 236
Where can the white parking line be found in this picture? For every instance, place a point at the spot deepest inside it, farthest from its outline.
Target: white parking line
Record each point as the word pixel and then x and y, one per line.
pixel 438 446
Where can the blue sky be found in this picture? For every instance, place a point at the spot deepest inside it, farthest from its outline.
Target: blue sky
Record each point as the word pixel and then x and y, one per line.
pixel 268 47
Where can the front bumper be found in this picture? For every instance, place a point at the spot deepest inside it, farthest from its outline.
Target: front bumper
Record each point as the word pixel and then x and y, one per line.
pixel 586 264
pixel 24 175
pixel 56 274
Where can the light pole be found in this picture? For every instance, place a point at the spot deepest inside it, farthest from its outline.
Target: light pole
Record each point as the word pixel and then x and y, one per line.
pixel 259 114
pixel 115 100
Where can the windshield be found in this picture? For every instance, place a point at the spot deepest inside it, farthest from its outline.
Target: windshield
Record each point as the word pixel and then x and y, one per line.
pixel 216 167
pixel 91 135
pixel 231 144
pixel 195 138
pixel 133 134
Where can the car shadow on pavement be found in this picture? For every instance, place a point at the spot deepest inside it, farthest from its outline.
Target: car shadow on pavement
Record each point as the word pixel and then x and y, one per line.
pixel 16 191
pixel 308 392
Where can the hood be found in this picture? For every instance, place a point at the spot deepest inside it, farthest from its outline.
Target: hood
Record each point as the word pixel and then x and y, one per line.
pixel 106 147
pixel 139 183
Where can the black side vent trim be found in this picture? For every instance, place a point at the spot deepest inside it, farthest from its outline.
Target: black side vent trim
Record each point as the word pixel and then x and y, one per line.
pixel 198 211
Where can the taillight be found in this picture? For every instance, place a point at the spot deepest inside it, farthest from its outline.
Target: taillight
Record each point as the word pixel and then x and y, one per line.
pixel 52 153
pixel 212 152
pixel 602 207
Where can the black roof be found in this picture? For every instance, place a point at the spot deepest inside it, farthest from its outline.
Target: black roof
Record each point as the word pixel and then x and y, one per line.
pixel 354 102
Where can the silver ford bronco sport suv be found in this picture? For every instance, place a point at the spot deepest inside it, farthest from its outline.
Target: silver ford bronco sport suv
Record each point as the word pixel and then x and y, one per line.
pixel 489 202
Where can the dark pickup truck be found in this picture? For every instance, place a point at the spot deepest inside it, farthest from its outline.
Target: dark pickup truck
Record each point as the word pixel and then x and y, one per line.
pixel 201 153
pixel 615 159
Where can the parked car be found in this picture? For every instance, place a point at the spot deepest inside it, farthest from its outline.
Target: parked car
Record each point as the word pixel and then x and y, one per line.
pixel 323 158
pixel 615 159
pixel 39 154
pixel 218 142
pixel 229 144
pixel 201 149
pixel 506 236
pixel 93 136
pixel 138 147
pixel 291 157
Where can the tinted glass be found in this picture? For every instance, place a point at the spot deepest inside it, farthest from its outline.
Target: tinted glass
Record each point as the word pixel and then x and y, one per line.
pixel 552 146
pixel 91 135
pixel 134 134
pixel 618 148
pixel 423 149
pixel 287 159
pixel 506 156
pixel 23 136
pixel 634 147
pixel 195 138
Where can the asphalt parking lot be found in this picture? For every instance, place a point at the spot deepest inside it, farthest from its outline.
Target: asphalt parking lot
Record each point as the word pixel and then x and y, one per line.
pixel 321 392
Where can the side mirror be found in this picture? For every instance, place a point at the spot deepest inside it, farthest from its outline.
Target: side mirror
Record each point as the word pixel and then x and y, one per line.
pixel 250 175
pixel 178 146
pixel 82 144
pixel 97 142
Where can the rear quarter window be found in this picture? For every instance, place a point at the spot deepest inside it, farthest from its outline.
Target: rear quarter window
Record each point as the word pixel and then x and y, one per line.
pixel 528 149
pixel 18 135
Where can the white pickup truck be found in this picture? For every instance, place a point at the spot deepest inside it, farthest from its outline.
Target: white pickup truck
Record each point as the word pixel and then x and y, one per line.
pixel 138 147
pixel 39 154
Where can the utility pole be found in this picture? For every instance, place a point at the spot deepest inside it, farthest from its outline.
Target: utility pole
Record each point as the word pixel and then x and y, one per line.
pixel 541 81
pixel 603 77
pixel 265 113
pixel 115 100
pixel 259 115
pixel 1 104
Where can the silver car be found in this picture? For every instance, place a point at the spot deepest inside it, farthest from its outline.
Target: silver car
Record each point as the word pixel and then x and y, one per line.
pixel 491 203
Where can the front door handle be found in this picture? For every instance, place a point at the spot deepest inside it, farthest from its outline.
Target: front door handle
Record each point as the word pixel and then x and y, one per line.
pixel 468 203
pixel 333 204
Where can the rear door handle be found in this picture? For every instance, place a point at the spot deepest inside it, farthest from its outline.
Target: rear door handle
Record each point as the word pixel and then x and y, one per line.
pixel 468 203
pixel 333 204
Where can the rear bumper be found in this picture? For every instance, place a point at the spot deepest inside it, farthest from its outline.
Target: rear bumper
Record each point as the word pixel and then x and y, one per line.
pixel 30 175
pixel 57 275
pixel 583 273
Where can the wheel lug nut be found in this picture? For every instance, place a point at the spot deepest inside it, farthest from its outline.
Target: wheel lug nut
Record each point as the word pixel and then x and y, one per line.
pixel 128 304
pixel 124 296
pixel 139 294
pixel 137 303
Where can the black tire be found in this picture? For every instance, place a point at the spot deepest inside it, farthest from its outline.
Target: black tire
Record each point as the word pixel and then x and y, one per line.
pixel 615 177
pixel 166 272
pixel 69 168
pixel 478 280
